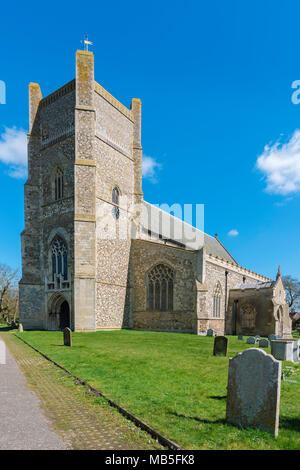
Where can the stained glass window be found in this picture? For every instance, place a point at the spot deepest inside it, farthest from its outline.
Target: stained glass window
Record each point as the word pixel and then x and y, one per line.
pixel 59 258
pixel 115 200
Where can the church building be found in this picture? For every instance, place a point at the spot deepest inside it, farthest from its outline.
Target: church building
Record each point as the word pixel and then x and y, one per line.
pixel 96 256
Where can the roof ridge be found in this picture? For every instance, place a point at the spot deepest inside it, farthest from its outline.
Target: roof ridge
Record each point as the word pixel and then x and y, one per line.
pixel 216 238
pixel 177 218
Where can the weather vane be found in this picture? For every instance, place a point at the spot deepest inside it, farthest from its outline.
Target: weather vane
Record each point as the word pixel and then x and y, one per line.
pixel 86 43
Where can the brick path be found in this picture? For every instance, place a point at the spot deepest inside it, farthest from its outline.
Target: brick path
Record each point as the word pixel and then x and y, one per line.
pixel 80 420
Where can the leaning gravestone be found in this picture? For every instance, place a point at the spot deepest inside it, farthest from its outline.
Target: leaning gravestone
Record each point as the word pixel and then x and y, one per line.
pixel 264 343
pixel 220 346
pixel 253 391
pixel 67 337
pixel 210 332
pixel 20 329
pixel 251 340
pixel 240 337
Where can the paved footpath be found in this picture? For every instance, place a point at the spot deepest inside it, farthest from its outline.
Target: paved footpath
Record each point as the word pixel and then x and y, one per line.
pixel 41 407
pixel 22 422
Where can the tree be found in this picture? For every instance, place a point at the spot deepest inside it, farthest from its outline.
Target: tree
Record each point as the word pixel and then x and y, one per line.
pixel 292 288
pixel 8 291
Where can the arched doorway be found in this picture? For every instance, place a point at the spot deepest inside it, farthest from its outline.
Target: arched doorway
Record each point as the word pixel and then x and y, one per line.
pixel 58 313
pixel 64 316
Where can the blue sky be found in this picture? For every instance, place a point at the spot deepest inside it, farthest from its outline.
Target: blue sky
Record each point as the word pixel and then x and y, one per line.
pixel 219 126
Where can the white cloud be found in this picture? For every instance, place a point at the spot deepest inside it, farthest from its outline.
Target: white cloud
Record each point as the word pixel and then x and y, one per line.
pixel 233 233
pixel 150 167
pixel 280 164
pixel 13 151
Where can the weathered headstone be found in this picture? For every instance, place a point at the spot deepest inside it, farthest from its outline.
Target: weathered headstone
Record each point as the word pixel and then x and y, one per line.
pixel 240 337
pixel 20 329
pixel 282 349
pixel 253 390
pixel 67 337
pixel 210 332
pixel 251 340
pixel 264 343
pixel 220 346
pixel 257 338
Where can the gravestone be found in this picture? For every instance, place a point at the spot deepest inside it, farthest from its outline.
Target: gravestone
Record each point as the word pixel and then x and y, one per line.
pixel 296 350
pixel 251 340
pixel 20 329
pixel 220 346
pixel 210 332
pixel 240 337
pixel 283 349
pixel 257 338
pixel 253 390
pixel 272 337
pixel 67 337
pixel 264 343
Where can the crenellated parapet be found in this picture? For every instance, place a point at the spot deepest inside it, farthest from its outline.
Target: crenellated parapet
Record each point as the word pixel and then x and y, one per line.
pixel 113 101
pixel 236 268
pixel 67 88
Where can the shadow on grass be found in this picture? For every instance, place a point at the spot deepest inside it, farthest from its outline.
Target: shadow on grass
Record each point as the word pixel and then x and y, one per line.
pixel 199 420
pixel 218 397
pixel 293 424
pixel 7 328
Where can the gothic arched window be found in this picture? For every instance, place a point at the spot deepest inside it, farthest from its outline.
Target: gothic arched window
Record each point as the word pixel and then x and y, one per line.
pixel 59 253
pixel 217 301
pixel 58 184
pixel 160 286
pixel 116 200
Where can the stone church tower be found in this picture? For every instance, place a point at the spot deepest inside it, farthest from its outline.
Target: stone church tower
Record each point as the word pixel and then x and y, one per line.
pixel 95 255
pixel 84 161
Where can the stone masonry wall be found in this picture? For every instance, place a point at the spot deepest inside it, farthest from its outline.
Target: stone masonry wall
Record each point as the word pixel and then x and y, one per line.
pixel 144 256
pixel 215 272
pixel 114 168
pixel 54 147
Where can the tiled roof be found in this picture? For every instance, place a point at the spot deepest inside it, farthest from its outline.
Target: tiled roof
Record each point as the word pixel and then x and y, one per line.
pixel 255 285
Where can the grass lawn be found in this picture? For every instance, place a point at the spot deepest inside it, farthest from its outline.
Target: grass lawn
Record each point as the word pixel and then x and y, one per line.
pixel 172 382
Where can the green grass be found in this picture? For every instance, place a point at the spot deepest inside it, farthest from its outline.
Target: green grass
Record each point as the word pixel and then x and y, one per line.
pixel 172 382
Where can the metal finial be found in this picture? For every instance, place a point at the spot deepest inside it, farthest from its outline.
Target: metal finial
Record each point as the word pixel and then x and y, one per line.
pixel 86 43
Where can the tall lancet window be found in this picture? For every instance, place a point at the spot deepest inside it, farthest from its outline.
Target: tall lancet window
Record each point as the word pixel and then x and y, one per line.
pixel 160 287
pixel 217 301
pixel 58 184
pixel 116 201
pixel 59 258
